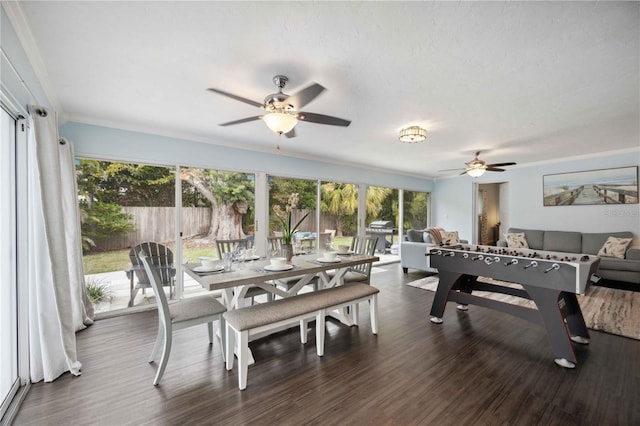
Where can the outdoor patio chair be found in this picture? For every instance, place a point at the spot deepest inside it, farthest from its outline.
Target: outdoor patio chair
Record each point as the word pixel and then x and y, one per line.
pixel 161 257
pixel 175 316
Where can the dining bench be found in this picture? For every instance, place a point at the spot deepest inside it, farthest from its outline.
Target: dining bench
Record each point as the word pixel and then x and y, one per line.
pixel 243 322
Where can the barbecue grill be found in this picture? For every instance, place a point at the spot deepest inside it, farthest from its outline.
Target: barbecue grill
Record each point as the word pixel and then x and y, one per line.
pixel 382 228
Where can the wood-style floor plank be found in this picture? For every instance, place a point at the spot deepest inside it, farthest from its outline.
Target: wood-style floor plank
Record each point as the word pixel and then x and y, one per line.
pixel 481 367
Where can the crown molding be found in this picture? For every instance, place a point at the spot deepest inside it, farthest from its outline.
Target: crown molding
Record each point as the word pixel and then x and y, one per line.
pixel 25 36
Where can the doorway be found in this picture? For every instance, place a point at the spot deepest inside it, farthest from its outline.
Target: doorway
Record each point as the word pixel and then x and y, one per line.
pixel 491 212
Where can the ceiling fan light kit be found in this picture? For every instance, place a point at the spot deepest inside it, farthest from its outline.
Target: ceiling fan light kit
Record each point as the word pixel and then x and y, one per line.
pixel 413 134
pixel 476 167
pixel 280 122
pixel 476 172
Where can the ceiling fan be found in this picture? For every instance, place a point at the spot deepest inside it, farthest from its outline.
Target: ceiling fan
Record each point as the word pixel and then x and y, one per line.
pixel 282 112
pixel 477 167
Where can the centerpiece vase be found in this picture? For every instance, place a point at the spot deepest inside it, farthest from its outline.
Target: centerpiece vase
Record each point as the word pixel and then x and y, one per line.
pixel 287 251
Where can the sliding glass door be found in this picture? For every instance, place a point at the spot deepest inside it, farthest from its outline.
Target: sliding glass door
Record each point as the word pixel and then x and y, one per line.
pixel 8 279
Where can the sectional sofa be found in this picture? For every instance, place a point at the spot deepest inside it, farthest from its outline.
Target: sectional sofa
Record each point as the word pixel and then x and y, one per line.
pixel 415 245
pixel 626 269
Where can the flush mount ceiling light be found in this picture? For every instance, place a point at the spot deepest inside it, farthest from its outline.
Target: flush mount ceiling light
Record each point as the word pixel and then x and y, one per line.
pixel 413 134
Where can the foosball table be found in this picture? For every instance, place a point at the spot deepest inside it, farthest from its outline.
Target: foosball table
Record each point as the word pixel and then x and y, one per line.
pixel 550 279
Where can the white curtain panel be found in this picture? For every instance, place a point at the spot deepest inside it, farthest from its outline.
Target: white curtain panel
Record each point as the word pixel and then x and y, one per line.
pixel 58 305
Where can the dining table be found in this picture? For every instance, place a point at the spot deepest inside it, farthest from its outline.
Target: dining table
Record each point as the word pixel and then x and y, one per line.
pixel 235 283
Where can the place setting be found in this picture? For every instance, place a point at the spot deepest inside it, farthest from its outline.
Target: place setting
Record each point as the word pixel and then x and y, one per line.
pixel 277 264
pixel 343 250
pixel 208 266
pixel 329 257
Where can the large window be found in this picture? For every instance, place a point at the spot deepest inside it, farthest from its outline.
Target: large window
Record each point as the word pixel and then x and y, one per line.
pixel 280 192
pixel 8 278
pixel 416 210
pixel 122 205
pixel 339 211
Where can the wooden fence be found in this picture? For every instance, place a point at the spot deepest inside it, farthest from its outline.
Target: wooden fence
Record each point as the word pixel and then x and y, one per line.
pixel 158 224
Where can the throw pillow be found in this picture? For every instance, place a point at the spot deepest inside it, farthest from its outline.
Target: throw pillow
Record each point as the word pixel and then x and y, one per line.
pixel 449 238
pixel 615 247
pixel 516 240
pixel 414 236
pixel 431 237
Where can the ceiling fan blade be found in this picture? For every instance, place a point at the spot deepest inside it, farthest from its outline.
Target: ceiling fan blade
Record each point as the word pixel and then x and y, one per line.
pixel 304 96
pixel 451 170
pixel 323 119
pixel 242 120
pixel 291 133
pixel 494 169
pixel 501 164
pixel 236 97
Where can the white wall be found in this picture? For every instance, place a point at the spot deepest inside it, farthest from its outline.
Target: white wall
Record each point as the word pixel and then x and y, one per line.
pixel 452 207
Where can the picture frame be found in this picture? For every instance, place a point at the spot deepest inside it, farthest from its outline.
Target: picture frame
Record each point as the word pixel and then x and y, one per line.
pixel 591 187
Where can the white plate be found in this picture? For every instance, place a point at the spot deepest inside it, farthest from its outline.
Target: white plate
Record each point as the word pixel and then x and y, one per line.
pixel 349 253
pixel 255 257
pixel 323 260
pixel 203 269
pixel 278 268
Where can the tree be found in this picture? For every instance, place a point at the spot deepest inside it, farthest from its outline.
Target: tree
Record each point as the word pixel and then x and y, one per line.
pixel 231 195
pixel 341 199
pixel 100 217
pixel 103 220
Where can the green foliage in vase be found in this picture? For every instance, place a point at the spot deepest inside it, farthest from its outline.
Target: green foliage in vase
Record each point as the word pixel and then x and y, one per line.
pixel 284 217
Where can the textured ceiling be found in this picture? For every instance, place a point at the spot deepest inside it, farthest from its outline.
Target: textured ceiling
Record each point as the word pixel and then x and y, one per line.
pixel 525 82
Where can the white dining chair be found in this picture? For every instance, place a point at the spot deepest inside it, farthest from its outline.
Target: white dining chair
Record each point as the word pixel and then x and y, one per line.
pixel 179 315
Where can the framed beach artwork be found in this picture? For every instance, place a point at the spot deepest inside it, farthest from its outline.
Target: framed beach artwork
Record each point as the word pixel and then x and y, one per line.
pixel 606 186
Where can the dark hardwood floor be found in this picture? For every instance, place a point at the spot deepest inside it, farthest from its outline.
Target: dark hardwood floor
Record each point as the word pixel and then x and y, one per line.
pixel 481 367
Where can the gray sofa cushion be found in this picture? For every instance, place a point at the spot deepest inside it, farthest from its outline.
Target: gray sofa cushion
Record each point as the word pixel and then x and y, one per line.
pixel 619 264
pixel 535 238
pixel 592 243
pixel 415 236
pixel 564 241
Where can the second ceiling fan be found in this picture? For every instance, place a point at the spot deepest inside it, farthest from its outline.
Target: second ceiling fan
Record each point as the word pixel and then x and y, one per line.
pixel 282 112
pixel 477 167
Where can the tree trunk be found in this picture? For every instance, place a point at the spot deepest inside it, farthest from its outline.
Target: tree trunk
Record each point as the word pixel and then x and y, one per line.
pixel 226 223
pixel 226 219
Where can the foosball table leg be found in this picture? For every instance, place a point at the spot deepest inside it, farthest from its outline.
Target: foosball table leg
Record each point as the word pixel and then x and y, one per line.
pixel 563 362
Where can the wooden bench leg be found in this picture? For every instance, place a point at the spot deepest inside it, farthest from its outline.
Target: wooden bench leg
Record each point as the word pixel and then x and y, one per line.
pixel 230 345
pixel 243 358
pixel 222 325
pixel 355 313
pixel 303 330
pixel 320 318
pixel 373 313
